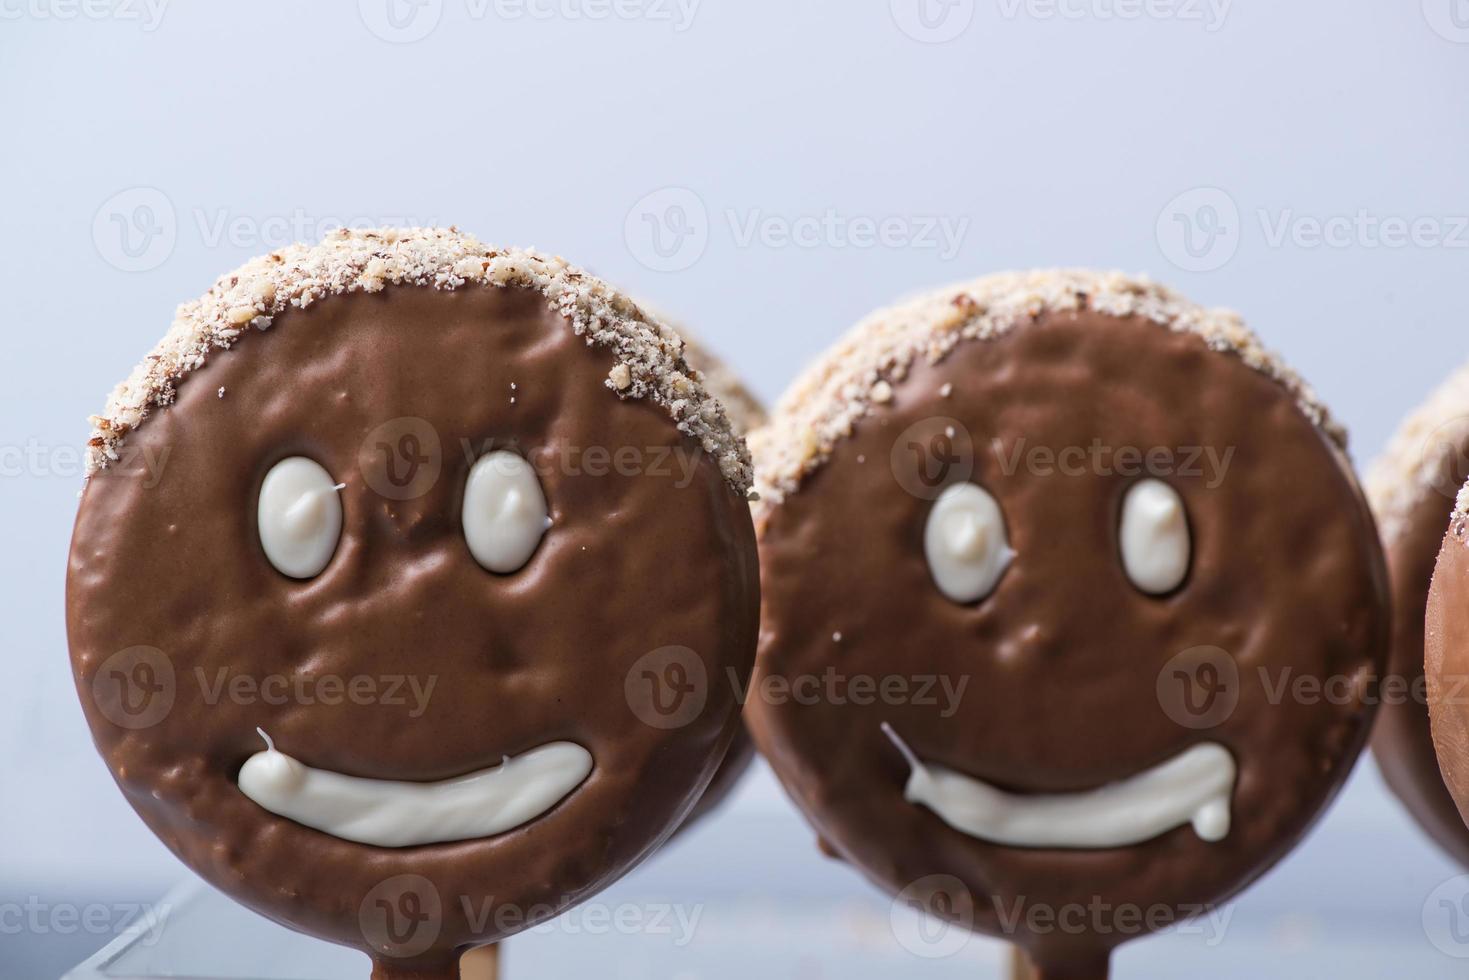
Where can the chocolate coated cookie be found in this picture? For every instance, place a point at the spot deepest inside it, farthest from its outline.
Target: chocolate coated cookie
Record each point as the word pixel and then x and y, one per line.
pixel 394 565
pixel 1045 558
pixel 1412 489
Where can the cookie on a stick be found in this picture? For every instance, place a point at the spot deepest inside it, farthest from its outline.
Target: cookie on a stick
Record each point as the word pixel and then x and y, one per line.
pixel 1045 559
pixel 399 565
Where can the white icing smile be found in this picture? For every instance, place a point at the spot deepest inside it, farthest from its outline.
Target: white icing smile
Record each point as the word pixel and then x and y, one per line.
pixel 390 813
pixel 1194 787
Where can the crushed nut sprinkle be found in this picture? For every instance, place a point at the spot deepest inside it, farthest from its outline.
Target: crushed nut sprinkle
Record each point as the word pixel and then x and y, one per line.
pixel 650 355
pixel 745 409
pixel 1415 461
pixel 826 402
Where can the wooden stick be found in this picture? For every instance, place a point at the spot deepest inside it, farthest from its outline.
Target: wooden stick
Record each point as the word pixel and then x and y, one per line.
pixel 482 963
pixel 1022 967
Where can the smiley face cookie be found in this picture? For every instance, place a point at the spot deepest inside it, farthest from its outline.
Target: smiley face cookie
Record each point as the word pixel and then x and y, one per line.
pixel 378 549
pixel 1045 559
pixel 1412 489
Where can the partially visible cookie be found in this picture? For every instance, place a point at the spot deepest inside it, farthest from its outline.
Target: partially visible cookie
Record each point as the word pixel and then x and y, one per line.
pixel 1038 554
pixel 1412 487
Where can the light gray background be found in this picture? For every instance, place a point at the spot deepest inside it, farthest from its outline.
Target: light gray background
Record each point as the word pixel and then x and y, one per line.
pixel 142 155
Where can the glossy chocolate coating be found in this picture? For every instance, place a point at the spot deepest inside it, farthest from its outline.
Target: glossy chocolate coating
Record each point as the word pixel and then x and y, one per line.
pixel 1063 660
pixel 638 559
pixel 1446 662
pixel 736 761
pixel 1401 742
pixel 746 412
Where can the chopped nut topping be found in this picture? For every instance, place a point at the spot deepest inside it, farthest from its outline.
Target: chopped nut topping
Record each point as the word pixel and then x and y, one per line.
pixel 1419 455
pixel 826 402
pixel 650 355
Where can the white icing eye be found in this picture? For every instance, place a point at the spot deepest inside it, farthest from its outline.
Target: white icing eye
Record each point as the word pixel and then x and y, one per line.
pixel 965 543
pixel 1154 537
pixel 505 512
pixel 299 517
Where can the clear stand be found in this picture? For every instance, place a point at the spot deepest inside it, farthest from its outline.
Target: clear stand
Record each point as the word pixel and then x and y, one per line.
pixel 198 934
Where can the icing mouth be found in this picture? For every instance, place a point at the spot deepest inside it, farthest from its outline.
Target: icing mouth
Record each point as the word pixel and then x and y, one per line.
pixel 1194 787
pixel 393 813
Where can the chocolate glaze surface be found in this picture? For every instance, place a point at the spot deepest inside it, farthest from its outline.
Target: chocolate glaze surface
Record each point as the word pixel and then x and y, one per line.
pixel 746 412
pixel 1446 662
pixel 1066 664
pixel 641 556
pixel 1402 742
pixel 736 761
